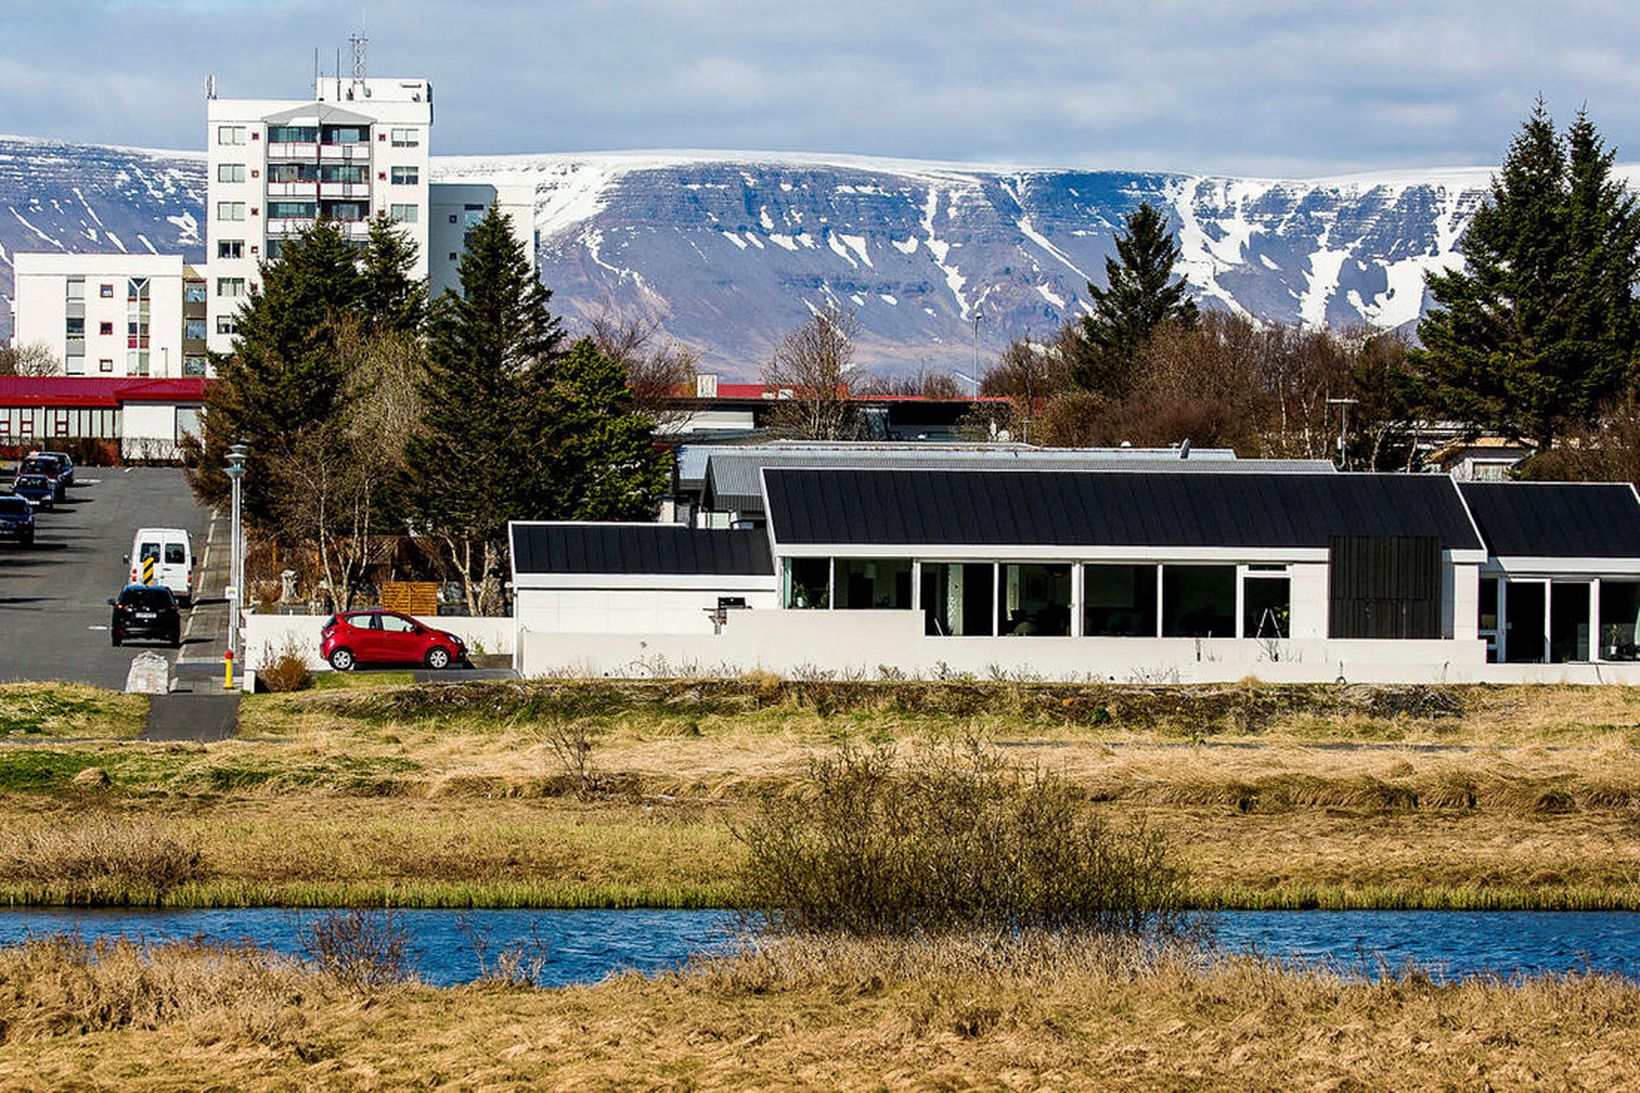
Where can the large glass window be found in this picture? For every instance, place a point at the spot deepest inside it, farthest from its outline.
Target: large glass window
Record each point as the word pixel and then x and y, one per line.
pixel 873 583
pixel 1266 605
pixel 1035 599
pixel 290 210
pixel 956 598
pixel 808 583
pixel 292 134
pixel 1569 621
pixel 1619 620
pixel 230 172
pixel 1119 601
pixel 1199 601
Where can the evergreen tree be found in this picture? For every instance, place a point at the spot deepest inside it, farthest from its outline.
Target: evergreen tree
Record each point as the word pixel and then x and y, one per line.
pixel 615 472
pixel 1141 295
pixel 285 374
pixel 392 299
pixel 490 448
pixel 1539 328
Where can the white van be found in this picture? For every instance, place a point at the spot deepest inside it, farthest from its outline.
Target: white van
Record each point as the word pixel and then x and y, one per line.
pixel 172 553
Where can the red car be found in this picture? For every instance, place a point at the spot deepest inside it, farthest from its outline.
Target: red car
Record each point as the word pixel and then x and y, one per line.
pixel 386 637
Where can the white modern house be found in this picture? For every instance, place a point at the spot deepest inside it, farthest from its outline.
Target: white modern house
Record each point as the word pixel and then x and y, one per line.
pixel 1138 574
pixel 358 147
pixel 112 315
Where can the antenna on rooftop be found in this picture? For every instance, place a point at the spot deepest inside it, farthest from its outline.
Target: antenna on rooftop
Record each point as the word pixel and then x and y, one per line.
pixel 210 87
pixel 358 41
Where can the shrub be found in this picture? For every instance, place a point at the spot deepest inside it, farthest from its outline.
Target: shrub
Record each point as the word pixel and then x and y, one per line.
pixel 286 671
pixel 362 950
pixel 956 838
pixel 102 858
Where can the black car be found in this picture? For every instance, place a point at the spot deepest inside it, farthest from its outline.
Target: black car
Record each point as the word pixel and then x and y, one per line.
pixel 65 462
pixel 36 489
pixel 17 520
pixel 49 467
pixel 149 611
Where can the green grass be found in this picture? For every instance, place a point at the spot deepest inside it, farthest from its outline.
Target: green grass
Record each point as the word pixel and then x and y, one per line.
pixel 140 770
pixel 70 710
pixel 532 895
pixel 357 681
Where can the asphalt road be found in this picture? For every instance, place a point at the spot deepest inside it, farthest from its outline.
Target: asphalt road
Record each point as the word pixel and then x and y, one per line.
pixel 53 609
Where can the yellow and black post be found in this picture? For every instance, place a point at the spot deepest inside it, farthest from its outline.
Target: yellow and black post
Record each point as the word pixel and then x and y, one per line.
pixel 148 570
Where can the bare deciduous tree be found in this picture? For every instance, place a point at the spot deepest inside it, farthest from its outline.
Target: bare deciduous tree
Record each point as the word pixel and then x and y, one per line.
pixel 918 384
pixel 810 370
pixel 657 369
pixel 34 359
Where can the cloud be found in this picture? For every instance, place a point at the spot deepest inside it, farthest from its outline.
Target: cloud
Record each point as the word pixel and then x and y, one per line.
pixel 1260 86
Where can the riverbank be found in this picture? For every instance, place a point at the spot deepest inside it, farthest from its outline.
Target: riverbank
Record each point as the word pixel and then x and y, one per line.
pixel 842 1015
pixel 617 795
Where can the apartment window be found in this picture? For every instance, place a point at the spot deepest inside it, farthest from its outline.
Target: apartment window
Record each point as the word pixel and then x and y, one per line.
pixel 224 324
pixel 230 172
pixel 230 248
pixel 404 214
pixel 230 286
pixel 194 292
pixel 76 288
pixel 74 365
pixel 406 138
pixel 105 329
pixel 193 366
pixel 193 329
pixel 105 291
pixel 230 134
pixel 76 326
pixel 453 218
pixel 104 365
pixel 293 134
pixel 406 176
pixel 453 256
pixel 291 210
pixel 230 210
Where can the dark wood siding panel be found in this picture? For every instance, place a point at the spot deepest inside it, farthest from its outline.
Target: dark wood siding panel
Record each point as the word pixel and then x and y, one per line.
pixel 1384 586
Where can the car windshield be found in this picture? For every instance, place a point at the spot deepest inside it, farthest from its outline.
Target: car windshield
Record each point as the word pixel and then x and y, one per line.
pixel 152 598
pixel 13 506
pixel 39 465
pixel 30 480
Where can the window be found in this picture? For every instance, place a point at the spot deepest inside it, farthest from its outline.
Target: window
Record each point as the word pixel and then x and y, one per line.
pixel 105 365
pixel 404 214
pixel 883 583
pixel 136 362
pixel 224 324
pixel 343 172
pixel 76 288
pixel 454 256
pixel 74 365
pixel 1199 601
pixel 175 554
pixel 230 210
pixel 76 326
pixel 230 134
pixel 193 366
pixel 807 583
pixel 1266 605
pixel 230 248
pixel 956 598
pixel 194 292
pixel 293 134
pixel 230 172
pixel 406 138
pixel 105 329
pixel 105 291
pixel 1119 601
pixel 406 176
pixel 1619 620
pixel 193 329
pixel 392 624
pixel 230 286
pixel 453 218
pixel 291 210
pixel 345 134
pixel 1034 599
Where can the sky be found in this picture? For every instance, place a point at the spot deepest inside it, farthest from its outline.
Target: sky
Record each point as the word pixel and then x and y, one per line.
pixel 1256 87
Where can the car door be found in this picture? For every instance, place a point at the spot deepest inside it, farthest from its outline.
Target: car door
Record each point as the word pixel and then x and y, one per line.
pixel 365 638
pixel 400 642
pixel 174 566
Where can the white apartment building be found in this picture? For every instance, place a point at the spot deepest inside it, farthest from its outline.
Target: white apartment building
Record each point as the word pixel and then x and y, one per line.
pixel 275 166
pixel 456 207
pixel 112 314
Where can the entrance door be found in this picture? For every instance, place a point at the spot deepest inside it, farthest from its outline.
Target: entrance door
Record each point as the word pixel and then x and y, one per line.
pixel 1524 640
pixel 1568 621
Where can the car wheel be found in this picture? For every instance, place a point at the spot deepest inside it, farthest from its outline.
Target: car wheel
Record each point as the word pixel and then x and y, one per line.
pixel 438 657
pixel 342 660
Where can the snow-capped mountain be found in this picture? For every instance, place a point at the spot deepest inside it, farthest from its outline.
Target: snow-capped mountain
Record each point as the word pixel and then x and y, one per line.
pixel 729 250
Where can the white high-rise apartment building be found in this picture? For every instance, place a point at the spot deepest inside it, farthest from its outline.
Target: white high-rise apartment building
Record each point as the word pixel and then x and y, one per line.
pixel 359 148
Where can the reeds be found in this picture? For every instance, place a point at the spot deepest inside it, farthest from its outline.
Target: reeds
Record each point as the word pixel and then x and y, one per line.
pixel 102 859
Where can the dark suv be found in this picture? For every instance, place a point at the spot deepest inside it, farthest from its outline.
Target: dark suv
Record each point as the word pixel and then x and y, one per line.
pixel 36 489
pixel 65 463
pixel 49 467
pixel 17 520
pixel 146 610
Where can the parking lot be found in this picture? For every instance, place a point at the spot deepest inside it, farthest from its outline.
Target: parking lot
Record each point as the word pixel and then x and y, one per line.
pixel 53 597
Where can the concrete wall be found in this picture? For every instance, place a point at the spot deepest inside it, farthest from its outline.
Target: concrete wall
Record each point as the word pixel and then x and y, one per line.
pixel 40 309
pixel 268 636
pixel 874 643
pixel 628 611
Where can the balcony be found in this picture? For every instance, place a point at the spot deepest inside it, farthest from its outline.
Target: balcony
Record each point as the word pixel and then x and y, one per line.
pixel 301 153
pixel 333 153
pixel 286 227
pixel 338 190
pixel 303 189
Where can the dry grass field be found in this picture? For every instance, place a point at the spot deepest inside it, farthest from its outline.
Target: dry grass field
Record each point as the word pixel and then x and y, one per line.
pixel 847 1015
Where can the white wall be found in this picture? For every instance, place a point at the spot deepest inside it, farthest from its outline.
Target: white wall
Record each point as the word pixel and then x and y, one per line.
pixel 148 430
pixel 449 218
pixel 867 642
pixel 628 611
pixel 40 308
pixel 1308 588
pixel 268 636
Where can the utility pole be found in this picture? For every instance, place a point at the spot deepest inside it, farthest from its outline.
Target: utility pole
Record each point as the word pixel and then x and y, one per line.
pixel 1343 405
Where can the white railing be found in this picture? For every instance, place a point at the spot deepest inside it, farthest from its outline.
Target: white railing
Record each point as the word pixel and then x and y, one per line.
pixel 357 151
pixel 344 189
pixel 304 150
pixel 289 225
pixel 293 189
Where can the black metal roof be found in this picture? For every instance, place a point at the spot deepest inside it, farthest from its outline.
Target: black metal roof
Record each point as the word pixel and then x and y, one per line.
pixel 639 548
pixel 1108 508
pixel 1556 519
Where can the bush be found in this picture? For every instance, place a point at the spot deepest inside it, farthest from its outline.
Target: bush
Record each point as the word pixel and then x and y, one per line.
pixel 955 839
pixel 288 671
pixel 102 858
pixel 362 950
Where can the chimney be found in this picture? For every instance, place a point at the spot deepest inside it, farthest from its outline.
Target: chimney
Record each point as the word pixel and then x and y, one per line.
pixel 706 385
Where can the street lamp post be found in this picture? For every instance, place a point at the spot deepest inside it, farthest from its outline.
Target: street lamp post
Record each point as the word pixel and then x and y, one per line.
pixel 236 550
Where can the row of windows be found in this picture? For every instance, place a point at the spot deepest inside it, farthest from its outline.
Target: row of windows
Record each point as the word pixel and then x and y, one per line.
pixel 310 134
pixel 234 211
pixel 135 328
pixel 964 599
pixel 99 424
